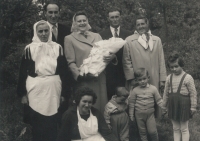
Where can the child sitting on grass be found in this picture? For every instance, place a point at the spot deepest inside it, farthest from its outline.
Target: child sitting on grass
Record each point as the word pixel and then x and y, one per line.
pixel 180 97
pixel 141 105
pixel 116 116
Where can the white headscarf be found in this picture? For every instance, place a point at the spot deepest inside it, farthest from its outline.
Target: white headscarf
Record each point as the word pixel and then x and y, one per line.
pixel 44 54
pixel 74 27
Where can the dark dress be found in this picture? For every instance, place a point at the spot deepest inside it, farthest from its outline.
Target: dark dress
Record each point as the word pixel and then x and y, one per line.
pixel 44 128
pixel 69 129
pixel 179 105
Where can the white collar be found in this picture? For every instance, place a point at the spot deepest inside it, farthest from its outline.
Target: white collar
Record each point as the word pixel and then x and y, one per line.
pixel 143 40
pixel 51 25
pixel 112 29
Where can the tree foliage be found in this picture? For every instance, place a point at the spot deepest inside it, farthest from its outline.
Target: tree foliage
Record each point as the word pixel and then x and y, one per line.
pixel 177 23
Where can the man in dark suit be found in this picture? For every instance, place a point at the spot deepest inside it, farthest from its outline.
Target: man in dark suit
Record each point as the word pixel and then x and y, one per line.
pixel 59 31
pixel 114 70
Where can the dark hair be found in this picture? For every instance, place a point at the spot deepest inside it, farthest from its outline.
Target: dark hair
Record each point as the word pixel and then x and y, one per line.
pixel 82 91
pixel 112 9
pixel 80 13
pixel 173 57
pixel 121 91
pixel 51 2
pixel 140 72
pixel 138 17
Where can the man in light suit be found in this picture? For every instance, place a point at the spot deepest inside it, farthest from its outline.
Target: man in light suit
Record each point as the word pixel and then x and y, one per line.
pixel 114 71
pixel 59 31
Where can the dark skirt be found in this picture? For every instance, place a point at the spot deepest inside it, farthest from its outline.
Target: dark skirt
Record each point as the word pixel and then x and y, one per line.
pixel 179 107
pixel 44 128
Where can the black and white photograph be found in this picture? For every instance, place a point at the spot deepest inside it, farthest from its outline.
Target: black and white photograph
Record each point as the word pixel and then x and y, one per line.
pixel 99 70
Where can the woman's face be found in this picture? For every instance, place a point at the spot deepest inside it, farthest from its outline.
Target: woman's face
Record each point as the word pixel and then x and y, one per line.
pixel 81 22
pixel 43 32
pixel 85 104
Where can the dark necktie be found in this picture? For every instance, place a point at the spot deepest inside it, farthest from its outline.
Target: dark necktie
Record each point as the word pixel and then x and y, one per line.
pixel 116 35
pixel 147 36
pixel 55 32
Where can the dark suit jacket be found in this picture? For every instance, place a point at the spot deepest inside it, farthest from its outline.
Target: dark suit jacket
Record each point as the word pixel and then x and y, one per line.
pixel 62 32
pixel 114 73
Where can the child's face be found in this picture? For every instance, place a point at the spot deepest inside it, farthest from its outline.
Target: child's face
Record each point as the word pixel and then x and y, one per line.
pixel 175 68
pixel 143 80
pixel 121 98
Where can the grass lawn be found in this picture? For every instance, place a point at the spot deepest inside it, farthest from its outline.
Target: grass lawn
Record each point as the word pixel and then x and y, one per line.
pixel 12 127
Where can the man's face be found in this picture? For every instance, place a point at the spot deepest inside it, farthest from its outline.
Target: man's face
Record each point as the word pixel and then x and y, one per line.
pixel 52 13
pixel 114 18
pixel 142 26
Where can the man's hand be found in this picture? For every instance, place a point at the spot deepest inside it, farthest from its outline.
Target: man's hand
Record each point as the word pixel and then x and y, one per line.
pixel 164 112
pixel 24 100
pixel 109 126
pixel 192 112
pixel 132 118
pixel 109 57
pixel 162 86
pixel 62 99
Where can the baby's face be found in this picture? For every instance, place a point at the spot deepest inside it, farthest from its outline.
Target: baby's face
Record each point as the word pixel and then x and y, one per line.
pixel 122 98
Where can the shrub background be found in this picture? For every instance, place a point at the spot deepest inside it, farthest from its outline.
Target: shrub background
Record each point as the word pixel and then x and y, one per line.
pixel 177 23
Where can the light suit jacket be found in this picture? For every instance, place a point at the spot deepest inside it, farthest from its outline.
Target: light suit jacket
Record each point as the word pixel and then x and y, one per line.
pixel 77 48
pixel 135 56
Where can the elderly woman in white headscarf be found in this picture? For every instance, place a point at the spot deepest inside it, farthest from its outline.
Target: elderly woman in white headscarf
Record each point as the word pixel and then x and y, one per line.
pixel 77 47
pixel 42 82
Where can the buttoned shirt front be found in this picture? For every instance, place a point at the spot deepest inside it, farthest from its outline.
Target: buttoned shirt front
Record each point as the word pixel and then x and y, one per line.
pixel 112 29
pixel 51 26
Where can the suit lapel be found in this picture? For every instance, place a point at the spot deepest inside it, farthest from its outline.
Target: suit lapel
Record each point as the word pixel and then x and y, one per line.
pixel 53 37
pixel 122 34
pixel 59 33
pixel 89 40
pixel 109 34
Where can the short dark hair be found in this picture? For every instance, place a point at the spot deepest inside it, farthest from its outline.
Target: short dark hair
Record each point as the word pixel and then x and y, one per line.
pixel 51 2
pixel 112 9
pixel 121 91
pixel 80 13
pixel 141 72
pixel 83 91
pixel 173 57
pixel 138 17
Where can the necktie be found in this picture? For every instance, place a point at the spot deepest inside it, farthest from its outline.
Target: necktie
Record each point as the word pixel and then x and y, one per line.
pixel 116 35
pixel 147 36
pixel 55 32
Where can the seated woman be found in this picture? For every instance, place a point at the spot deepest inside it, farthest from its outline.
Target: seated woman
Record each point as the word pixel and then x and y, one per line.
pixel 83 122
pixel 77 47
pixel 41 80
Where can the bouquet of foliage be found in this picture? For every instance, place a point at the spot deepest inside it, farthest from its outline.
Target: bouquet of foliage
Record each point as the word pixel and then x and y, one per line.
pixel 94 64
